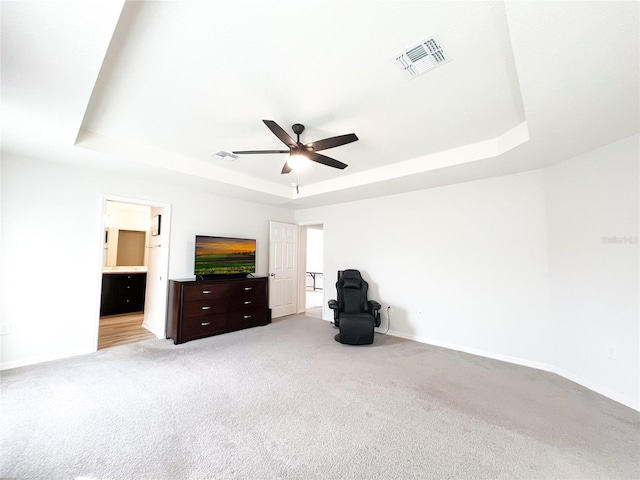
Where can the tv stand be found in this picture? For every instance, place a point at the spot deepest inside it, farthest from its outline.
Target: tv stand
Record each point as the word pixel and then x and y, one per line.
pixel 202 308
pixel 206 278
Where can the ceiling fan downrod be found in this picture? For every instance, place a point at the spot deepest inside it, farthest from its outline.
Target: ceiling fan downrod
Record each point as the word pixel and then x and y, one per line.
pixel 297 128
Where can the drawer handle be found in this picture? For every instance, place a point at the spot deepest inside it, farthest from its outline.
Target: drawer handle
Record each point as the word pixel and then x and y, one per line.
pixel 247 316
pixel 204 324
pixel 206 291
pixel 206 308
pixel 248 288
pixel 248 303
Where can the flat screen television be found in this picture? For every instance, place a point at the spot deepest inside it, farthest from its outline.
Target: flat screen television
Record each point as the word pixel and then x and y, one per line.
pixel 224 256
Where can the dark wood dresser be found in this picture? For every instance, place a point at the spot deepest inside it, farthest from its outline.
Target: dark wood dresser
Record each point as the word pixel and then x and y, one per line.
pixel 200 309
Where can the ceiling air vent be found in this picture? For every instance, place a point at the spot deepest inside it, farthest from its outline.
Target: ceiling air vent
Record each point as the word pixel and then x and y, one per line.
pixel 422 57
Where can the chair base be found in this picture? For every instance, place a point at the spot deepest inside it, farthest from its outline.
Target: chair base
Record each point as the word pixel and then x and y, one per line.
pixel 359 342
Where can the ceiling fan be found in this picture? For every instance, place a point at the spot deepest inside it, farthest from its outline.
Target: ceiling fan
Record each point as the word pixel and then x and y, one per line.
pixel 309 150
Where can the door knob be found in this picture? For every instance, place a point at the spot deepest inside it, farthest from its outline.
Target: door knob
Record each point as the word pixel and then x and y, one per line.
pixel 272 274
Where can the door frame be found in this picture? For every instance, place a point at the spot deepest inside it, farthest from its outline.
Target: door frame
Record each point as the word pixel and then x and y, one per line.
pixel 164 252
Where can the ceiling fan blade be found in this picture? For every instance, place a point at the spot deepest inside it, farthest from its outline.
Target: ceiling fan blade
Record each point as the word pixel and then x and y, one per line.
pixel 246 152
pixel 286 168
pixel 333 142
pixel 280 133
pixel 331 162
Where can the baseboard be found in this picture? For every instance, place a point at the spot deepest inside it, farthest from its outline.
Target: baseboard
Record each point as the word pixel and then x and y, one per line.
pixel 604 391
pixel 159 336
pixel 616 397
pixel 41 359
pixel 475 351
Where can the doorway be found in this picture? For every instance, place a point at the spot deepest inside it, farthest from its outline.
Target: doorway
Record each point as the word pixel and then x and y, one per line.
pixel 133 271
pixel 314 271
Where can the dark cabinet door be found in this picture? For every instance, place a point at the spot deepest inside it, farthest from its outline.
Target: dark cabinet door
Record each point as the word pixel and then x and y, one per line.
pixel 122 293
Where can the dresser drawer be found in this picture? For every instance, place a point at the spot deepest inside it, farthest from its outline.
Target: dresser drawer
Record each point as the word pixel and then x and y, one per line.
pixel 247 303
pixel 248 287
pixel 203 307
pixel 248 292
pixel 249 318
pixel 205 292
pixel 203 326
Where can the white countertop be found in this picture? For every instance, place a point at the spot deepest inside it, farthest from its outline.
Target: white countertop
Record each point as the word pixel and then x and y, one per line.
pixel 125 269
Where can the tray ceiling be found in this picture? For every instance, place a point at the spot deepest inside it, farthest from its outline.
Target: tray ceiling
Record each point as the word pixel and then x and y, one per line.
pixel 162 86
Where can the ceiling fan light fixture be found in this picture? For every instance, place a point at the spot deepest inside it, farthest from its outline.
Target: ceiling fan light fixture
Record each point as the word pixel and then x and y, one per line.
pixel 297 161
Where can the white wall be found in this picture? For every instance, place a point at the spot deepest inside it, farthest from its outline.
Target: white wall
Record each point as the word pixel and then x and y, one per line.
pixel 593 211
pixel 513 268
pixel 315 261
pixel 463 266
pixel 52 241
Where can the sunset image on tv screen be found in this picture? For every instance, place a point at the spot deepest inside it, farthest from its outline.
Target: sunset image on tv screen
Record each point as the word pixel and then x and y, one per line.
pixel 224 256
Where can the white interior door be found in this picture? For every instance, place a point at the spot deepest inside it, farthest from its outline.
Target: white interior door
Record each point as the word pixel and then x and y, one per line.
pixel 283 268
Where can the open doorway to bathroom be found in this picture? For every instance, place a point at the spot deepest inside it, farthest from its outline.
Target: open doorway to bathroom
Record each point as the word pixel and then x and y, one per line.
pixel 124 274
pixel 314 287
pixel 133 271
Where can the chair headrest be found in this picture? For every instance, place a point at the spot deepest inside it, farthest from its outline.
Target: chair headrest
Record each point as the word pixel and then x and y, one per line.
pixel 351 282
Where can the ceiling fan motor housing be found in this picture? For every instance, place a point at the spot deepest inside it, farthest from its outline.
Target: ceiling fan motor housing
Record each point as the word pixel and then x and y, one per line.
pixel 297 128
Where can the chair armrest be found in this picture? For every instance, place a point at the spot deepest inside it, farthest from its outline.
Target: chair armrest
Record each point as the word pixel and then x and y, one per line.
pixel 333 305
pixel 374 309
pixel 373 305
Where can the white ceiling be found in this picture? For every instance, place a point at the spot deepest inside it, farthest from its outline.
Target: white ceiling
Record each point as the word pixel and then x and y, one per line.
pixel 156 88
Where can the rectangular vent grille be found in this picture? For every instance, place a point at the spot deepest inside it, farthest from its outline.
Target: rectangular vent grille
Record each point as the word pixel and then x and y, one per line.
pixel 422 57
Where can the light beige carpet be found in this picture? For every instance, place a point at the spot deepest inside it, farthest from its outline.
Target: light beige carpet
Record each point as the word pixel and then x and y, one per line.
pixel 287 401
